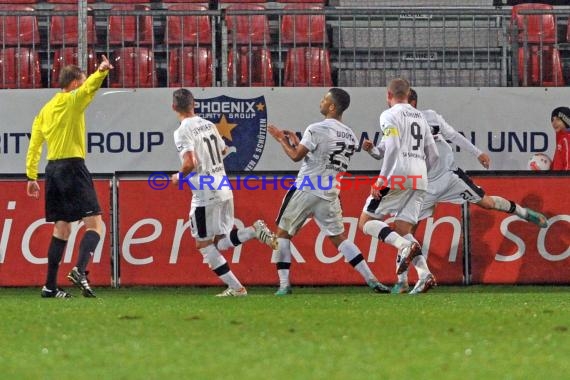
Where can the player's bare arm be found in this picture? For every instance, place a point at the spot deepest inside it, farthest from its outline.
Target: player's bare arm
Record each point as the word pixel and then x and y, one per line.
pixel 188 165
pixel 295 152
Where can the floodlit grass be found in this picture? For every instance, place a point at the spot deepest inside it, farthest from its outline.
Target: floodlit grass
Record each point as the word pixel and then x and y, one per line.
pixel 478 332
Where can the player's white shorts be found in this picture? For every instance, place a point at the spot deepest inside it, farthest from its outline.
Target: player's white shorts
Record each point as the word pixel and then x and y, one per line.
pixel 211 220
pixel 453 187
pixel 403 204
pixel 299 205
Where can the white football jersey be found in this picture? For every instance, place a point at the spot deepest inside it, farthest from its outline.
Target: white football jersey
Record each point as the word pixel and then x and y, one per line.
pixel 330 144
pixel 209 181
pixel 409 145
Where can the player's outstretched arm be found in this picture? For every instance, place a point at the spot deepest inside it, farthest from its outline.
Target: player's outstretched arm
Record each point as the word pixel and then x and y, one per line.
pixel 295 152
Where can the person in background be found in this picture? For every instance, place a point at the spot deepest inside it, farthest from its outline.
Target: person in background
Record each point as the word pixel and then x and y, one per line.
pixel 560 119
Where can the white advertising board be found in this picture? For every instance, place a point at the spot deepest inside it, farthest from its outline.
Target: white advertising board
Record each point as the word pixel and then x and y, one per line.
pixel 131 130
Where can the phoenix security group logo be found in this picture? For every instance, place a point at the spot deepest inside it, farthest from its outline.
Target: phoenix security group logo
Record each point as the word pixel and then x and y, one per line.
pixel 242 123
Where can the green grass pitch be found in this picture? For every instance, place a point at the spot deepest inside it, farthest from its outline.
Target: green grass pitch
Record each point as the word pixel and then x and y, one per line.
pixel 474 332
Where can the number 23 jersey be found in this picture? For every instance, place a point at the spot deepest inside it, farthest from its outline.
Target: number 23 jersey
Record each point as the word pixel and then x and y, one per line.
pixel 209 181
pixel 330 144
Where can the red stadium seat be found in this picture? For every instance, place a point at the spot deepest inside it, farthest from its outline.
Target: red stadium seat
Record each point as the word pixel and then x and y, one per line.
pixel 309 67
pixel 19 29
pixel 18 1
pixel 190 67
pixel 130 29
pixel 303 29
pixel 303 1
pixel 68 56
pixel 240 1
pixel 534 28
pixel 68 1
pixel 20 68
pixel 133 67
pixel 188 29
pixel 63 29
pixel 247 29
pixel 253 68
pixel 541 69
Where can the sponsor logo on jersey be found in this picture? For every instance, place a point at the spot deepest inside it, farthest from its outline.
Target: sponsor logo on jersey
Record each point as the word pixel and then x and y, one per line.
pixel 242 123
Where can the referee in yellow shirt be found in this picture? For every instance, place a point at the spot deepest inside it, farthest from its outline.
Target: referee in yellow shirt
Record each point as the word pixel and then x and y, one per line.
pixel 70 194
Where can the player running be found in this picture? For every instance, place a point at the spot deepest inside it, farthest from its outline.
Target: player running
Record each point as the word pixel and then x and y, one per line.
pixel 326 148
pixel 448 183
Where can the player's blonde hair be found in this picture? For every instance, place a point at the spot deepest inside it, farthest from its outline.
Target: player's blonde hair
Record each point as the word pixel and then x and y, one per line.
pixel 399 88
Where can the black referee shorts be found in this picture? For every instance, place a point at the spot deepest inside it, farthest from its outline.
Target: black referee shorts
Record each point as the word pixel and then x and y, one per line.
pixel 70 194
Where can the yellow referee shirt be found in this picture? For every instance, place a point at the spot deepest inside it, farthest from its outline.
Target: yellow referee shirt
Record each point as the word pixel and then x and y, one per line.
pixel 61 124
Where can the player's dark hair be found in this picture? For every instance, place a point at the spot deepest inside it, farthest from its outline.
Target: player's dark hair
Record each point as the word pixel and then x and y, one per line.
pixel 68 74
pixel 182 100
pixel 412 96
pixel 340 98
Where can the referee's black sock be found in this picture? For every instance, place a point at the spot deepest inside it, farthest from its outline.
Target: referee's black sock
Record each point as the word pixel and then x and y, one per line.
pixel 86 249
pixel 55 253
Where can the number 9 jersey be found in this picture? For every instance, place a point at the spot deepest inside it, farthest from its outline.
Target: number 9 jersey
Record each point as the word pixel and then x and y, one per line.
pixel 410 147
pixel 208 181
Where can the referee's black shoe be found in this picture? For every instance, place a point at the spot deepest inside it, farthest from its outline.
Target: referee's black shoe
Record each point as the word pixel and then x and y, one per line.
pixel 80 280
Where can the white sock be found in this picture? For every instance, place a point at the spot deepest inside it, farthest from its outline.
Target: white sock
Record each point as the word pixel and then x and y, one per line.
pixel 419 262
pixel 354 257
pixel 283 259
pixel 511 207
pixel 239 237
pixel 382 231
pixel 219 265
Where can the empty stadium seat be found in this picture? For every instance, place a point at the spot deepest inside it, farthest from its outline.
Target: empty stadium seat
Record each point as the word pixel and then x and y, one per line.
pixel 68 56
pixel 130 29
pixel 253 68
pixel 190 67
pixel 303 1
pixel 247 29
pixel 133 67
pixel 68 1
pixel 19 29
pixel 63 29
pixel 541 68
pixel 20 68
pixel 18 1
pixel 534 28
pixel 308 66
pixel 188 29
pixel 240 1
pixel 303 29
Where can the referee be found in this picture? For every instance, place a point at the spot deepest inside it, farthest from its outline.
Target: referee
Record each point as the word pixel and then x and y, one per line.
pixel 70 195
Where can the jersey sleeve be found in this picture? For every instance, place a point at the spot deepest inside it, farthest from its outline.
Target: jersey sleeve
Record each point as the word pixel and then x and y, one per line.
pixel 310 138
pixel 35 149
pixel 183 143
pixel 449 133
pixel 86 92
pixel 430 150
